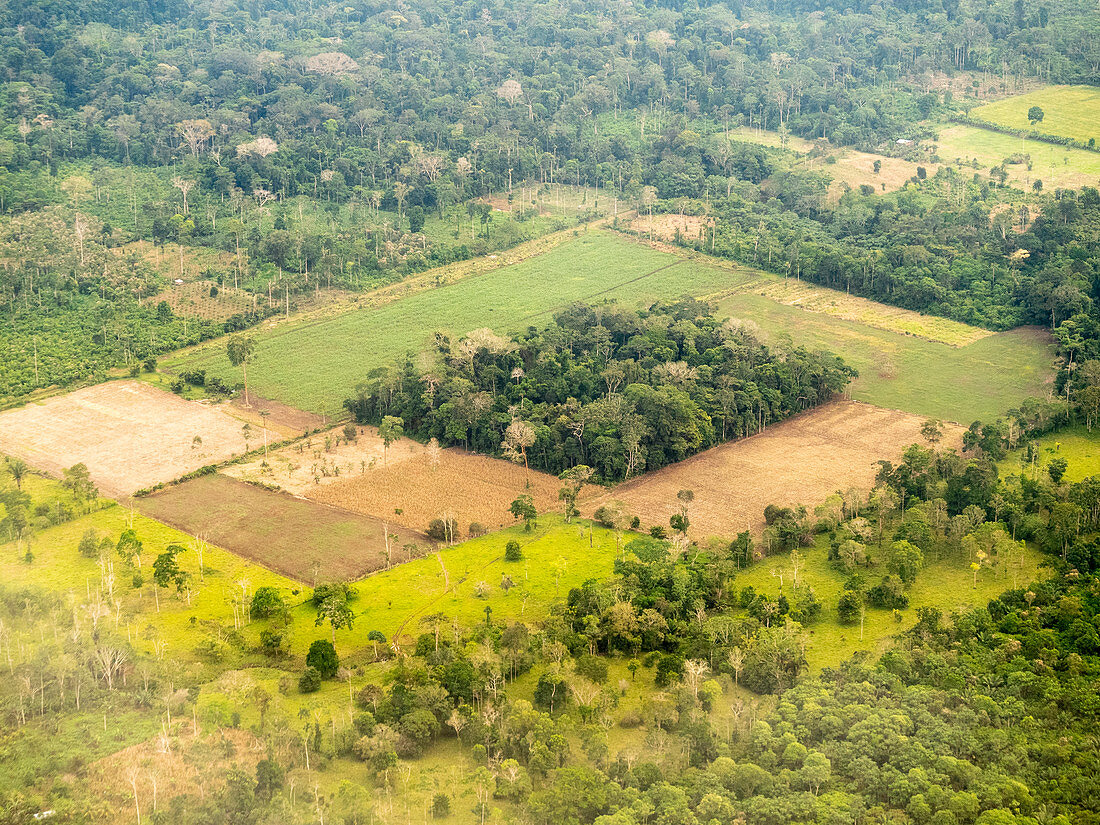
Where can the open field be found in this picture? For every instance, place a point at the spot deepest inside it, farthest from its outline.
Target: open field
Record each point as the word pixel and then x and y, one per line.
pixel 1055 166
pixel 1069 111
pixel 314 364
pixel 799 461
pixel 947 584
pixel 979 381
pixel 1079 447
pixel 306 541
pixel 410 486
pixel 129 434
pixel 818 299
pixel 854 169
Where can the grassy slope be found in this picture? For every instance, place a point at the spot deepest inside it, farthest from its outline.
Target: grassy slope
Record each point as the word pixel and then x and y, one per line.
pixel 1069 111
pixel 947 585
pixel 1076 445
pixel 978 381
pixel 1054 165
pixel 315 366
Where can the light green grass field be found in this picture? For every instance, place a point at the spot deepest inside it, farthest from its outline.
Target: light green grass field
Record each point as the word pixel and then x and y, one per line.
pixel 947 585
pixel 315 365
pixel 1069 111
pixel 1056 166
pixel 977 382
pixel 1079 447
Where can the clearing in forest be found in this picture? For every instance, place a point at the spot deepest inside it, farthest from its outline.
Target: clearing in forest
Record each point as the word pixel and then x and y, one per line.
pixel 410 484
pixel 301 539
pixel 982 149
pixel 129 434
pixel 802 460
pixel 1068 111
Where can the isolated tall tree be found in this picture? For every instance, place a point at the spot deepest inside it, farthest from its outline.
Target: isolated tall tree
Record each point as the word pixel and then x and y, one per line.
pixel 517 438
pixel 240 349
pixel 575 478
pixel 18 469
pixel 391 429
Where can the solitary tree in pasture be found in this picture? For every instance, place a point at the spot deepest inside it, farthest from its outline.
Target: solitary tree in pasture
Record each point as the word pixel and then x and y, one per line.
pixel 167 571
pixel 240 349
pixel 1035 115
pixel 337 612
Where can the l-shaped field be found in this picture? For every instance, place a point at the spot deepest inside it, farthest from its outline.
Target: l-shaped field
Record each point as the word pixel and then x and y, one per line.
pixel 315 364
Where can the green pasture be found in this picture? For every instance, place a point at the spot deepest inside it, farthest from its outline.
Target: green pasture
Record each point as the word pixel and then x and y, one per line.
pixel 980 381
pixel 947 585
pixel 315 364
pixel 1068 111
pixel 1079 447
pixel 1056 166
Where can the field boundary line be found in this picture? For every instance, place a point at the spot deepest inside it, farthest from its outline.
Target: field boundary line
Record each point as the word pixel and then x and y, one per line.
pixel 437 278
pixel 634 280
pixel 759 278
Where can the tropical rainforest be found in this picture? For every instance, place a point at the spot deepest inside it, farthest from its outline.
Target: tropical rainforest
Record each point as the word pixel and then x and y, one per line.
pixel 171 173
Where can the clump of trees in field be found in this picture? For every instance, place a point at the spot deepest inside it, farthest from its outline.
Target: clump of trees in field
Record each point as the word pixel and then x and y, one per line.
pixel 618 390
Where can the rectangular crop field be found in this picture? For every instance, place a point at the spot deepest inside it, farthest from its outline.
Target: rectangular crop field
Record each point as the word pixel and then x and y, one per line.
pixel 803 460
pixel 1055 166
pixel 316 364
pixel 409 484
pixel 130 435
pixel 979 381
pixel 297 538
pixel 1068 111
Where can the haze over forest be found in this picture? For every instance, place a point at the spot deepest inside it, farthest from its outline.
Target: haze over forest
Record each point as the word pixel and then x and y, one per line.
pixel 666 412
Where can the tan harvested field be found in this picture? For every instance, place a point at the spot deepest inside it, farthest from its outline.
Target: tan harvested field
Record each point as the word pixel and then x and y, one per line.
pixel 468 487
pixel 813 298
pixel 665 227
pixel 420 483
pixel 130 435
pixel 856 168
pixel 290 535
pixel 800 461
pixel 193 300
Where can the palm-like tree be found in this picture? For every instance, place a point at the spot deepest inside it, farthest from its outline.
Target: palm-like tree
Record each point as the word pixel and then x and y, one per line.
pixel 18 469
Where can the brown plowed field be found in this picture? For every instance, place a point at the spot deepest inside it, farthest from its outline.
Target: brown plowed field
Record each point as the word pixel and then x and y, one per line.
pixel 468 487
pixel 307 541
pixel 360 476
pixel 130 435
pixel 803 460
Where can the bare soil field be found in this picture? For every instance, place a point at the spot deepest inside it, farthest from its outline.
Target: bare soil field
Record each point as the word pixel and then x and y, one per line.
pixel 470 488
pixel 410 486
pixel 665 227
pixel 130 435
pixel 301 539
pixel 803 460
